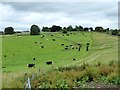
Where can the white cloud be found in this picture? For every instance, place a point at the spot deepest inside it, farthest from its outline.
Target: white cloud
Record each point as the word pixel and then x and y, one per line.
pixel 64 14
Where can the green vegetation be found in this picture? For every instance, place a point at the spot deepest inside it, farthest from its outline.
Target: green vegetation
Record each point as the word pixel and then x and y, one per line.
pixel 20 50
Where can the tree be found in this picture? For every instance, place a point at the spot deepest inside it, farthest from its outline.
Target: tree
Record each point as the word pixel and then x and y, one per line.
pixel 86 29
pixel 34 30
pixel 46 29
pixel 55 28
pixel 114 32
pixel 9 30
pixel 99 28
pixel 70 28
pixel 91 29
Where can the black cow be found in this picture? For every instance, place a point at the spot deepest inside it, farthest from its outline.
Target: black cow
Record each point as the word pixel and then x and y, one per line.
pixel 53 39
pixel 66 48
pixel 5 56
pixel 74 59
pixel 49 62
pixel 33 58
pixel 40 42
pixel 51 35
pixel 42 46
pixel 62 44
pixel 35 42
pixel 31 65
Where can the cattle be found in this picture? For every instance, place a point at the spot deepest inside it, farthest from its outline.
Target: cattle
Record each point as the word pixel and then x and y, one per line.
pixel 62 44
pixel 35 42
pixel 31 65
pixel 74 33
pixel 71 45
pixel 51 35
pixel 42 46
pixel 74 59
pixel 3 66
pixel 66 48
pixel 76 47
pixel 33 58
pixel 5 55
pixel 49 62
pixel 63 35
pixel 40 42
pixel 13 54
pixel 67 34
pixel 53 39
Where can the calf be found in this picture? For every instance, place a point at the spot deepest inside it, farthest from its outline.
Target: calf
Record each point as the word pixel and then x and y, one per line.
pixel 49 62
pixel 31 65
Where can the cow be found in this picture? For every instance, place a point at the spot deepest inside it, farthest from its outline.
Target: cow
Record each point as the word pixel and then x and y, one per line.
pixel 13 54
pixel 53 39
pixel 35 42
pixel 31 65
pixel 49 62
pixel 5 56
pixel 33 58
pixel 74 59
pixel 40 42
pixel 51 35
pixel 63 35
pixel 62 44
pixel 66 48
pixel 42 46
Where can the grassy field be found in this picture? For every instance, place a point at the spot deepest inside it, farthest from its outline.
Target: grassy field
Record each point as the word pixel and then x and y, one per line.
pixel 20 50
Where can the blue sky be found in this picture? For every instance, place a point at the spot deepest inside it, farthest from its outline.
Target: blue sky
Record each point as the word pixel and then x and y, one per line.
pixel 21 15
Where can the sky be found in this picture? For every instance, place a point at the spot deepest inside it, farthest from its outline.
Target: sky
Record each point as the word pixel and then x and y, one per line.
pixel 21 15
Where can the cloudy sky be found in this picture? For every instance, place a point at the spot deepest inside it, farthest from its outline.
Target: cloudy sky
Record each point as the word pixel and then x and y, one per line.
pixel 21 15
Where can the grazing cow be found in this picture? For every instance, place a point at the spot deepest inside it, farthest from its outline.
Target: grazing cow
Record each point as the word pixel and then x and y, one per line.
pixel 51 35
pixel 33 58
pixel 49 62
pixel 74 59
pixel 5 56
pixel 13 54
pixel 71 45
pixel 76 47
pixel 42 46
pixel 35 42
pixel 40 42
pixel 66 48
pixel 62 44
pixel 67 34
pixel 74 33
pixel 79 44
pixel 53 39
pixel 63 35
pixel 3 66
pixel 31 65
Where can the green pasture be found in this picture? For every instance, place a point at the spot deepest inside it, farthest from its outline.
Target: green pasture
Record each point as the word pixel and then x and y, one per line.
pixel 20 50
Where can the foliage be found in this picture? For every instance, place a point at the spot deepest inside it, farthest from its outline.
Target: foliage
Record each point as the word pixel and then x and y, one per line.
pixel 34 30
pixel 9 30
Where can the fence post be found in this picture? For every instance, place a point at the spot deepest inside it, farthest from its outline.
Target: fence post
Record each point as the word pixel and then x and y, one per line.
pixel 29 86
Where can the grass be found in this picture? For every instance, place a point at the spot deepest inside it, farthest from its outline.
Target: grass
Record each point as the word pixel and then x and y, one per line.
pixel 103 50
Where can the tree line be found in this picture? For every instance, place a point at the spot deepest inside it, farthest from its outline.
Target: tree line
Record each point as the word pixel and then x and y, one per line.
pixel 35 30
